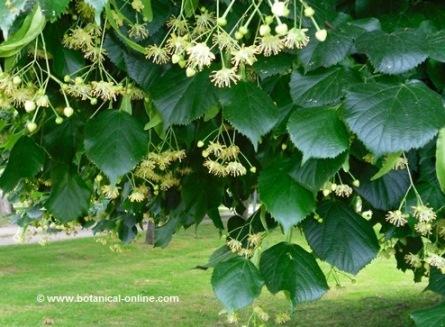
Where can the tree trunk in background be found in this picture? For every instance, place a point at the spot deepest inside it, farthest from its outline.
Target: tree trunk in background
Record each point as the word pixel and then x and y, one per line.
pixel 5 207
pixel 150 234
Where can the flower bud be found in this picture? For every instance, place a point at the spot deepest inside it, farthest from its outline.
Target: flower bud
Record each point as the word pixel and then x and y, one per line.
pixel 281 29
pixel 176 58
pixel 200 144
pixel 182 63
pixel 30 106
pixel 190 72
pixel 59 120
pixel 16 80
pixel 268 20
pixel 31 126
pixel 68 111
pixel 93 101
pixel 321 35
pixel 78 80
pixel 279 9
pixel 253 170
pixel 67 78
pixel 356 183
pixel 243 30
pixel 309 11
pixel 238 35
pixel 221 21
pixel 264 30
pixel 42 101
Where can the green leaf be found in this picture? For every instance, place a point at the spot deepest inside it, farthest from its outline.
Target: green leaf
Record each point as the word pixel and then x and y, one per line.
pixel 31 28
pixel 190 7
pixel 388 165
pixel 318 88
pixel 148 10
pixel 431 317
pixel 314 173
pixel 338 44
pixel 236 282
pixel 70 195
pixel 436 45
pixel 390 118
pixel 53 9
pixel 67 61
pixel 280 64
pixel 287 267
pixel 393 53
pixel 8 16
pixel 318 133
pixel 436 281
pixel 115 142
pixel 286 200
pixel 440 159
pixel 98 6
pixel 164 233
pixel 249 109
pixel 25 161
pixel 344 239
pixel 200 194
pixel 127 229
pixel 189 99
pixel 143 72
pixel 386 192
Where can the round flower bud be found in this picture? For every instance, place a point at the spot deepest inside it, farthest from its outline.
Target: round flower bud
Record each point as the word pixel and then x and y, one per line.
pixel 221 21
pixel 30 106
pixel 264 30
pixel 238 35
pixel 42 101
pixel 243 30
pixel 268 20
pixel 309 11
pixel 326 192
pixel 321 35
pixel 176 58
pixel 182 63
pixel 356 183
pixel 59 120
pixel 16 80
pixel 279 9
pixel 190 72
pixel 283 146
pixel 31 126
pixel 200 144
pixel 281 29
pixel 253 169
pixel 93 101
pixel 68 111
pixel 67 78
pixel 78 80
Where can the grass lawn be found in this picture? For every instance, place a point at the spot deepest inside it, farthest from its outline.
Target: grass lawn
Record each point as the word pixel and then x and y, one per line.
pixel 381 295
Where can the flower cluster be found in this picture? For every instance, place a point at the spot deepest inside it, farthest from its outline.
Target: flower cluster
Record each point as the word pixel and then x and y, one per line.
pixel 397 218
pixel 86 39
pixel 264 28
pixel 157 169
pixel 253 241
pixel 340 190
pixel 223 160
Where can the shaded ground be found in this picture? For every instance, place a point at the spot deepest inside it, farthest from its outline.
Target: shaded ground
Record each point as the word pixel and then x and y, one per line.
pixel 381 295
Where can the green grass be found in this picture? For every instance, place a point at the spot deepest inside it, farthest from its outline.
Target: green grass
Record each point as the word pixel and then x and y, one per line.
pixel 381 295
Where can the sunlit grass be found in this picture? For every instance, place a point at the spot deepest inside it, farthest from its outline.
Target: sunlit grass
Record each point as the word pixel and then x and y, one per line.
pixel 381 295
